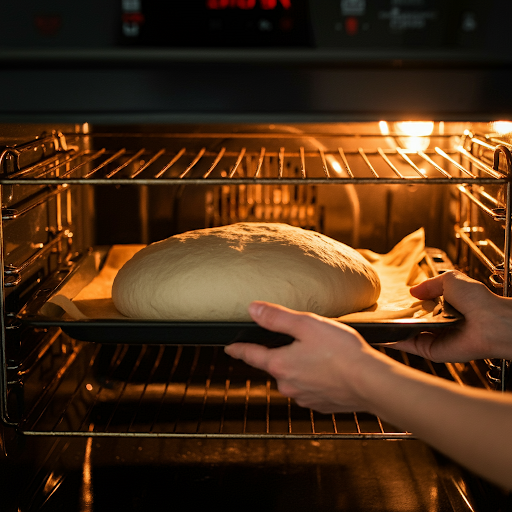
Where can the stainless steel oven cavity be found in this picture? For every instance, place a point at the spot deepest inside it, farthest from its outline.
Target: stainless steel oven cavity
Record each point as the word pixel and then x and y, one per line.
pixel 368 184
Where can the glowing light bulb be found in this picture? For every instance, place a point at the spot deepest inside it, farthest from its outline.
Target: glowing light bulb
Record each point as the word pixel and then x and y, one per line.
pixel 502 127
pixel 415 128
pixel 384 128
pixel 414 135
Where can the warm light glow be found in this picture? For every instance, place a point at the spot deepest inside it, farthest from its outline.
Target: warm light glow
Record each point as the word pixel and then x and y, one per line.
pixel 335 165
pixel 87 494
pixel 88 387
pixel 502 127
pixel 384 128
pixel 52 482
pixel 415 143
pixel 415 128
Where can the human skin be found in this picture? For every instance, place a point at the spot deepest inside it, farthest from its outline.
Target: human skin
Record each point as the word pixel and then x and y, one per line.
pixel 486 331
pixel 330 368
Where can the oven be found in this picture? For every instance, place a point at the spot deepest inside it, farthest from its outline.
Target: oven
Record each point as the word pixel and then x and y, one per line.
pixel 127 124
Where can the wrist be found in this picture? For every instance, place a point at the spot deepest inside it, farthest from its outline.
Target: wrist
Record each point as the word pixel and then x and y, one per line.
pixel 499 328
pixel 367 376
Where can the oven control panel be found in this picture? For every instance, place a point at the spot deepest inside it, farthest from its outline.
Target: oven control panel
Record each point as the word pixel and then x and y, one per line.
pixel 370 25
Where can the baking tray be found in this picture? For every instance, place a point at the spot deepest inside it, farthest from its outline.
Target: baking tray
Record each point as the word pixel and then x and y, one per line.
pixel 70 280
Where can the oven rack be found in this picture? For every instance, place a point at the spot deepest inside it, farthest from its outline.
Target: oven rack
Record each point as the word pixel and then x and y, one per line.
pixel 235 158
pixel 191 391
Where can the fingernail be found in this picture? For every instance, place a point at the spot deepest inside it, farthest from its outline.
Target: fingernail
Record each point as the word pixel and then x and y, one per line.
pixel 255 309
pixel 228 350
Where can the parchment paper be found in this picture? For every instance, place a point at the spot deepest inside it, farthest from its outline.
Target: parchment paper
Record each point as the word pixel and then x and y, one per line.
pixel 398 270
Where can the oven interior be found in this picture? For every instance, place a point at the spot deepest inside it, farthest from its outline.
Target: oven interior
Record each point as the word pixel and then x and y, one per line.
pixel 91 426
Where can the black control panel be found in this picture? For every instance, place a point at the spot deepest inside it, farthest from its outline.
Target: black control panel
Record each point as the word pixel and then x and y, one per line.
pixel 323 24
pixel 318 24
pixel 159 61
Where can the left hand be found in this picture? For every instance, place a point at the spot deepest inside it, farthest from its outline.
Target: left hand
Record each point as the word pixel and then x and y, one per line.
pixel 319 369
pixel 485 331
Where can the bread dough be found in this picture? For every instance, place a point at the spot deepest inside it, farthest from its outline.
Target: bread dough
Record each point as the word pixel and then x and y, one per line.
pixel 214 274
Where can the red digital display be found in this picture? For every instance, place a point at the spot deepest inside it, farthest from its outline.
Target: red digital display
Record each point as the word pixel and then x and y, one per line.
pixel 248 4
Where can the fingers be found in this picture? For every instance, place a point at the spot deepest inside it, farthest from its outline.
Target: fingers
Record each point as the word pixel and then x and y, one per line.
pixel 278 318
pixel 429 289
pixel 440 285
pixel 445 347
pixel 420 345
pixel 274 318
pixel 255 355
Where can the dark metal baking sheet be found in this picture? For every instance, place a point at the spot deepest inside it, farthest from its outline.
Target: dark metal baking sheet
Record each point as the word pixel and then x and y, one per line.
pixel 199 333
pixel 225 333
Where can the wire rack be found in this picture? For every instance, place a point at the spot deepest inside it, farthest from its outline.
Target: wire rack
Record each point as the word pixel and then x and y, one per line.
pixel 189 391
pixel 269 158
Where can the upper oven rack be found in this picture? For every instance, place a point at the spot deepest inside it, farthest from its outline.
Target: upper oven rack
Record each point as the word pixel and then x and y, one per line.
pixel 248 158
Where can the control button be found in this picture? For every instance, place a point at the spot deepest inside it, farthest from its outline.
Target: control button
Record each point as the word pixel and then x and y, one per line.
pixel 265 25
pixel 351 26
pixel 353 7
pixel 469 22
pixel 133 17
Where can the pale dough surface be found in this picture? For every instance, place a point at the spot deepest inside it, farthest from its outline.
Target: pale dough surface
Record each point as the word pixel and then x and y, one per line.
pixel 213 274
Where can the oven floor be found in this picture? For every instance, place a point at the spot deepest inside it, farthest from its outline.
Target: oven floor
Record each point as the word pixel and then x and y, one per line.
pixel 106 474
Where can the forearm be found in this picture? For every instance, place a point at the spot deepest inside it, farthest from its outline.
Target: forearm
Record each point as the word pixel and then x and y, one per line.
pixel 330 368
pixel 471 426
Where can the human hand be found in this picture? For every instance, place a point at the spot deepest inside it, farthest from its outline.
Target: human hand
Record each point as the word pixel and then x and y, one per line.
pixel 319 369
pixel 486 331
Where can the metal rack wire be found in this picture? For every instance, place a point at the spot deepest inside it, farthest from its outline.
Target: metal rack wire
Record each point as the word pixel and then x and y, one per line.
pixel 83 402
pixel 186 158
pixel 189 391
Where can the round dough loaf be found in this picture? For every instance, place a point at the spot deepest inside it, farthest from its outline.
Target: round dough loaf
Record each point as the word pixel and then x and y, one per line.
pixel 214 274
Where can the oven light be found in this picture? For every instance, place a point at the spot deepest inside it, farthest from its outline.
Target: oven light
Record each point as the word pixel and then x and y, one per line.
pixel 413 135
pixel 415 143
pixel 384 128
pixel 415 128
pixel 88 387
pixel 502 127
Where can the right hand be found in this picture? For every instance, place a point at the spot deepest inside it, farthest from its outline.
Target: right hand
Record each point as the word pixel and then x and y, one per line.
pixel 321 368
pixel 486 331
